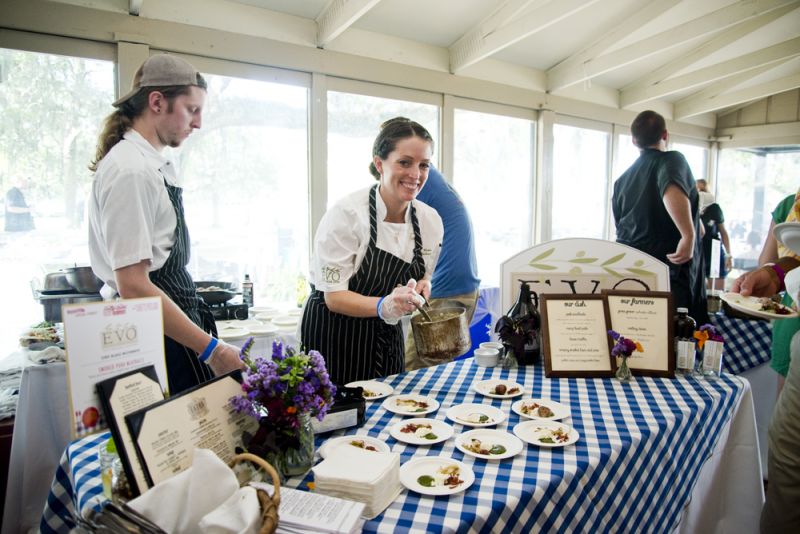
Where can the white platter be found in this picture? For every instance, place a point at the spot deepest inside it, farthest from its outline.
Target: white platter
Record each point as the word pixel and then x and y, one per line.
pixel 262 329
pixel 752 305
pixel 255 310
pixel 346 441
pixel 560 411
pixel 233 333
pixel 788 233
pixel 430 465
pixel 488 436
pixel 379 390
pixel 267 316
pixel 465 414
pixel 532 431
pixel 486 387
pixel 440 429
pixel 390 403
pixel 285 320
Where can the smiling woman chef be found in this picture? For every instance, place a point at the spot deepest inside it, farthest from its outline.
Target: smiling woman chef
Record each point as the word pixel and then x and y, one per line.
pixel 374 255
pixel 138 241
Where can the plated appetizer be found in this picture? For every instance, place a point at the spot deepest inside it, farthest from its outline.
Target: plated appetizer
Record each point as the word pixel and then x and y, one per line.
pixel 489 444
pixel 372 389
pixel 447 475
pixel 436 475
pixel 365 443
pixel 541 409
pixel 499 389
pixel 411 404
pixel 546 433
pixel 476 415
pixel 421 431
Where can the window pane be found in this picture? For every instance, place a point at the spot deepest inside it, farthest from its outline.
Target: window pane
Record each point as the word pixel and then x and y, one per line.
pixel 750 185
pixel 245 174
pixel 353 123
pixel 580 160
pixel 494 180
pixel 52 108
pixel 627 153
pixel 697 157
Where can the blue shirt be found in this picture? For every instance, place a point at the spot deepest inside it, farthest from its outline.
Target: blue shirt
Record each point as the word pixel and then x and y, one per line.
pixel 456 272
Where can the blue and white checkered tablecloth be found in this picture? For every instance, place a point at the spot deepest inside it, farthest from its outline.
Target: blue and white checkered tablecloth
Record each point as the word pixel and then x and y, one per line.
pixel 747 342
pixel 641 450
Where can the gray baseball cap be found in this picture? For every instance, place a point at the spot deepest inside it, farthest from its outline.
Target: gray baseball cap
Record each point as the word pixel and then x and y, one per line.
pixel 161 70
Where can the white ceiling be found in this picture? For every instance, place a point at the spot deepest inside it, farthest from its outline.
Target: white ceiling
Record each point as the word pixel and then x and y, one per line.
pixel 693 56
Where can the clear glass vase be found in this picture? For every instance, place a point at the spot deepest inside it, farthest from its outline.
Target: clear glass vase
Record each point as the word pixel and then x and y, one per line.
pixel 292 461
pixel 623 371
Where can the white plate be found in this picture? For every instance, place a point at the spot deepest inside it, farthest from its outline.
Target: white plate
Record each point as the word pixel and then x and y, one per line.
pixel 233 333
pixel 390 403
pixel 461 414
pixel 255 310
pixel 267 316
pixel 262 329
pixel 560 411
pixel 247 323
pixel 490 437
pixel 295 312
pixel 788 233
pixel 486 387
pixel 345 441
pixel 285 320
pixel 752 305
pixel 531 431
pixel 379 390
pixel 430 465
pixel 442 430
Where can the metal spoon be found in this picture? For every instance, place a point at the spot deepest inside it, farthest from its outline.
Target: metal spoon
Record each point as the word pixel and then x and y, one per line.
pixel 423 312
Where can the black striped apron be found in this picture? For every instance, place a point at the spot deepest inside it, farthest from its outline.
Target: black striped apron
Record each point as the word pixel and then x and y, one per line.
pixel 360 348
pixel 184 369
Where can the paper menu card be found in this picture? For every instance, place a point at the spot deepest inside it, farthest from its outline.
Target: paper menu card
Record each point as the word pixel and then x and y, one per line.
pixel 105 339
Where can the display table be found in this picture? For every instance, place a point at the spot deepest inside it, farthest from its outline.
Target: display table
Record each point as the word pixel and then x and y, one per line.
pixel 655 455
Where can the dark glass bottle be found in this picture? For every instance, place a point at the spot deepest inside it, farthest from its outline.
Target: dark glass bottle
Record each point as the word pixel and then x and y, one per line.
pixel 527 326
pixel 684 342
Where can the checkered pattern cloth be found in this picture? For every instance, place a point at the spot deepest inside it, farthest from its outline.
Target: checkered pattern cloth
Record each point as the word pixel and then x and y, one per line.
pixel 747 343
pixel 641 450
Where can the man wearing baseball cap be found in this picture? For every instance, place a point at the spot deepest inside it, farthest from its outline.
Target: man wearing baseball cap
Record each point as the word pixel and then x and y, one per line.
pixel 138 239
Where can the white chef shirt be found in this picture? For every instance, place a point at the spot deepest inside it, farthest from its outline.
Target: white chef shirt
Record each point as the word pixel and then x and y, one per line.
pixel 343 237
pixel 130 215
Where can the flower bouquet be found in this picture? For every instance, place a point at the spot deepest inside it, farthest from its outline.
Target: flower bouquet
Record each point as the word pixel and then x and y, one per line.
pixel 283 394
pixel 710 344
pixel 623 348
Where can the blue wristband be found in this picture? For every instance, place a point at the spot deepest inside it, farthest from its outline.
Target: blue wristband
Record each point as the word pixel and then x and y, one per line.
pixel 378 307
pixel 209 349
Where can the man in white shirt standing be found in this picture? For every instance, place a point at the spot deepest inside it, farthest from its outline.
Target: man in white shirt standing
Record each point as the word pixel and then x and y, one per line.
pixel 138 240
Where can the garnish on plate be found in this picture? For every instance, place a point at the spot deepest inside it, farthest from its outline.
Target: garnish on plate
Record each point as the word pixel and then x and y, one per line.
pixel 361 444
pixel 486 449
pixel 412 405
pixel 420 430
pixel 445 476
pixel 553 436
pixel 367 394
pixel 502 389
pixel 476 417
pixel 539 409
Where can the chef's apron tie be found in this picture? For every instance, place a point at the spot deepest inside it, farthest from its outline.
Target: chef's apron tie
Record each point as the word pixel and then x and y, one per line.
pixel 357 348
pixel 184 369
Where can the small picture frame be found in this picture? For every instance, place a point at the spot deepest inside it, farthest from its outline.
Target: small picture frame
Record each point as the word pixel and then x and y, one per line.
pixel 645 317
pixel 575 340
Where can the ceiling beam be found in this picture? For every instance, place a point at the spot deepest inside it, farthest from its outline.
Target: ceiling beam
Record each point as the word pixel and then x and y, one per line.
pixel 708 101
pixel 765 56
pixel 486 39
pixel 632 20
pixel 340 15
pixel 631 94
pixel 707 24
pixel 134 7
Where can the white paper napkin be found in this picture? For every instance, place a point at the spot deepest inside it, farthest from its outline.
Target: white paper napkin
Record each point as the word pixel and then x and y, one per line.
pixel 240 514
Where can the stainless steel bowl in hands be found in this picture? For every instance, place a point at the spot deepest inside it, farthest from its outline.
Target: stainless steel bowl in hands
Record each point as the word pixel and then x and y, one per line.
pixel 83 279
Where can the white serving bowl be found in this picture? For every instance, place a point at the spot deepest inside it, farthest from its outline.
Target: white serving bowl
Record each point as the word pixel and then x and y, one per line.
pixel 492 345
pixel 487 357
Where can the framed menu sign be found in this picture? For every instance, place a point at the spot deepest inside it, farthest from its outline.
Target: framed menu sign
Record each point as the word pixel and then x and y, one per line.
pixel 646 317
pixel 167 433
pixel 574 336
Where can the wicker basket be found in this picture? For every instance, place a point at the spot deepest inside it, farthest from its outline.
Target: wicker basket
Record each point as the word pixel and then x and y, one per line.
pixel 269 505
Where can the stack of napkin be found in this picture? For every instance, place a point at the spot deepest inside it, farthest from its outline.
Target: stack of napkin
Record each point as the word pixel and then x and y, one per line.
pixel 372 478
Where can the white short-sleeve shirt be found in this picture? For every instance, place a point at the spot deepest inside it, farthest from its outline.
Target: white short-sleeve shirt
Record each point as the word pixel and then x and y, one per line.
pixel 343 237
pixel 130 215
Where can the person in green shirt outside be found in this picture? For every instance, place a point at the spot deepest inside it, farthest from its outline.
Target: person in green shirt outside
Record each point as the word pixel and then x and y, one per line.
pixel 783 330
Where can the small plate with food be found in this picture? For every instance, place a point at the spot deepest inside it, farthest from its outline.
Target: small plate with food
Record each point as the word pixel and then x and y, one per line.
pixel 436 475
pixel 499 389
pixel 421 431
pixel 762 307
pixel 541 409
pixel 411 404
pixel 546 433
pixel 476 415
pixel 489 444
pixel 365 443
pixel 372 389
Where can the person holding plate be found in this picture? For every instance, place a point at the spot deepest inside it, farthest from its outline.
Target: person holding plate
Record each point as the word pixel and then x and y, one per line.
pixel 781 511
pixel 138 239
pixel 374 256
